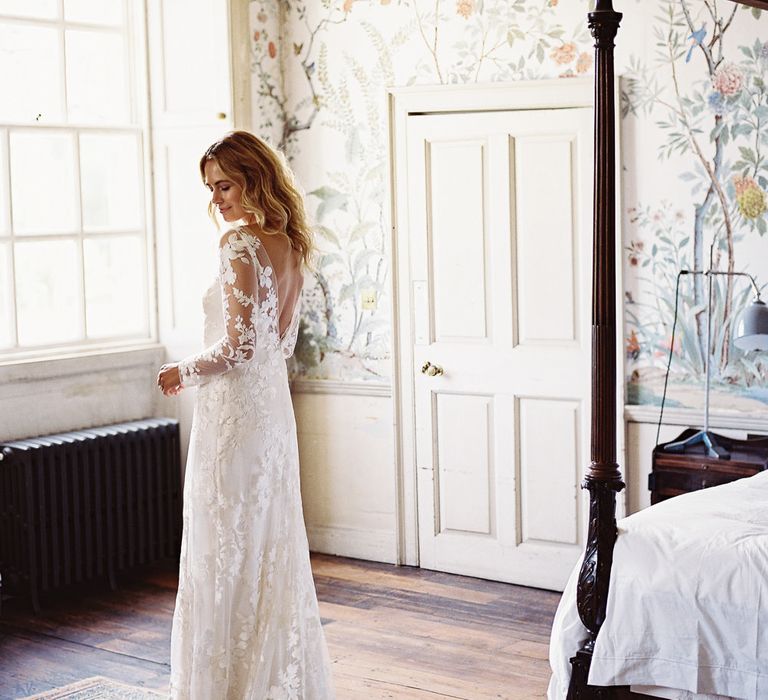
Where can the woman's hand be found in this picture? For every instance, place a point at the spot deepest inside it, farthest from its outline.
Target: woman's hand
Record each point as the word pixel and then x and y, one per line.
pixel 169 380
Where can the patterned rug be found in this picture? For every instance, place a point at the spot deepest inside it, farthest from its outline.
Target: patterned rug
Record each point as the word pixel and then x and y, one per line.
pixel 98 688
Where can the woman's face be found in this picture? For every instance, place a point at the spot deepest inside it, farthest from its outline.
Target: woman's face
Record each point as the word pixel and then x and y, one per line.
pixel 225 194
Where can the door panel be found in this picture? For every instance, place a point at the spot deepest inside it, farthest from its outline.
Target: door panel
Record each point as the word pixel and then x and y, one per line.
pixel 549 476
pixel 543 168
pixel 499 244
pixel 463 463
pixel 458 261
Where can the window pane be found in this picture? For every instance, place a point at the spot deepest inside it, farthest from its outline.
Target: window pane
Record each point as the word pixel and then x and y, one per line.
pixel 43 177
pixel 43 9
pixel 4 185
pixel 101 12
pixel 114 286
pixel 6 331
pixel 30 74
pixel 110 181
pixel 97 90
pixel 47 292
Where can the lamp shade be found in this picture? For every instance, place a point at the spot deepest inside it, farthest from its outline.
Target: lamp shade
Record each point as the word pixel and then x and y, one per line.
pixel 753 334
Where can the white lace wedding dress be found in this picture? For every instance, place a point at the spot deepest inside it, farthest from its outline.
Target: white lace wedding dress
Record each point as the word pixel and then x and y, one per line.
pixel 246 623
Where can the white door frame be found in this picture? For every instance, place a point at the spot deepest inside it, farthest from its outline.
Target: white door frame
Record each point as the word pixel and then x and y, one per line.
pixel 560 93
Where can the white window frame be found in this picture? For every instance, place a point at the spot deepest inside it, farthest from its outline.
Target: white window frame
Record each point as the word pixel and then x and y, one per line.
pixel 133 34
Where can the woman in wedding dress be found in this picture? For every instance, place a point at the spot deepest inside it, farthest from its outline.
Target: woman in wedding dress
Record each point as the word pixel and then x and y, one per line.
pixel 246 623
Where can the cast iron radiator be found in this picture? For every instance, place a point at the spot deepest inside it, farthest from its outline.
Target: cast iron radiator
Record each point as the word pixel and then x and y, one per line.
pixel 87 504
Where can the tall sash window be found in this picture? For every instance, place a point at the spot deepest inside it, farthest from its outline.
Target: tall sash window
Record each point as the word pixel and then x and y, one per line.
pixel 74 249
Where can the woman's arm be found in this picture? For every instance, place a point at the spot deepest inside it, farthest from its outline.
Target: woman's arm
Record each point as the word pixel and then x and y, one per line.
pixel 239 289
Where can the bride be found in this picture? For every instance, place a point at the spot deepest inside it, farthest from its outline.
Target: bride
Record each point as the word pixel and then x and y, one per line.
pixel 246 623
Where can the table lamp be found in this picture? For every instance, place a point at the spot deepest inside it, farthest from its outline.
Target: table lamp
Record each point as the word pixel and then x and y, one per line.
pixel 751 335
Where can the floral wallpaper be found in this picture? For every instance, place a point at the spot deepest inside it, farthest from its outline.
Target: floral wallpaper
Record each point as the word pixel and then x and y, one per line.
pixel 694 161
pixel 703 90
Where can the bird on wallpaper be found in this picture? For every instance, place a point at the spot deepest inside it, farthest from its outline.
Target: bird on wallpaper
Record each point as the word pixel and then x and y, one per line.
pixel 697 37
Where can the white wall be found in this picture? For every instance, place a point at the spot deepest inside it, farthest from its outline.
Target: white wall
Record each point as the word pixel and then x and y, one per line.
pixel 346 446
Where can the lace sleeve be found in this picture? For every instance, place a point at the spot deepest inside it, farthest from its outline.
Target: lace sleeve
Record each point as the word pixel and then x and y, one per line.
pixel 238 276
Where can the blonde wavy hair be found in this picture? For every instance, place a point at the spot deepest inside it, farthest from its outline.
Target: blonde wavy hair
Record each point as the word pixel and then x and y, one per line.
pixel 269 191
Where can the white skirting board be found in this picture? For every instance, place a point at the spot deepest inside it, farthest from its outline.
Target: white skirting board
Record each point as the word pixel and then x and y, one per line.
pixel 372 545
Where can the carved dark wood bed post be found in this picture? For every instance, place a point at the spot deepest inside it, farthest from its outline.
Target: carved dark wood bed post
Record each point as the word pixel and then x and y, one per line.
pixel 603 479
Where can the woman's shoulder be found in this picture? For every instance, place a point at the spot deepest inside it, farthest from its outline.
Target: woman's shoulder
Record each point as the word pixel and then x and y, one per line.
pixel 237 249
pixel 235 235
pixel 265 247
pixel 239 242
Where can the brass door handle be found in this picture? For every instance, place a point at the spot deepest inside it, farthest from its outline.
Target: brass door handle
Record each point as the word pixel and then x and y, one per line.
pixel 431 370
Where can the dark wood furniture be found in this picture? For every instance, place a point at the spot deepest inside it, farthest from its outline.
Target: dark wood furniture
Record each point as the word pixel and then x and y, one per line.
pixel 603 478
pixel 676 473
pixel 759 4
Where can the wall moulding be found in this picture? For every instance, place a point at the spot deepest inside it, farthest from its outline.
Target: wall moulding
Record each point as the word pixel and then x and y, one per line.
pixel 687 417
pixel 328 386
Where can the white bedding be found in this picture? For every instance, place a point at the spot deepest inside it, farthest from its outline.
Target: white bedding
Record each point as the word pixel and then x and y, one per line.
pixel 687 612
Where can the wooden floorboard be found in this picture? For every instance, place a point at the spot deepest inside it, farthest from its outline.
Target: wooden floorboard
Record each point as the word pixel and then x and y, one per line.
pixel 397 633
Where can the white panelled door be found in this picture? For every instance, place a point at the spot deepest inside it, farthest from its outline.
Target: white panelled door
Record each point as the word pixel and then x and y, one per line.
pixel 499 234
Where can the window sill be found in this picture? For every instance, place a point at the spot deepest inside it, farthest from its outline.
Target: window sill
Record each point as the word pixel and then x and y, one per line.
pixel 80 362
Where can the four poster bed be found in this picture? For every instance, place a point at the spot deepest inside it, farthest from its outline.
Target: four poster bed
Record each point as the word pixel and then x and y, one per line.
pixel 680 598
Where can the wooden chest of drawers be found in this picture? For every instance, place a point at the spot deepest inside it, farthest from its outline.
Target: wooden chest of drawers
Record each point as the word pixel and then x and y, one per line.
pixel 676 473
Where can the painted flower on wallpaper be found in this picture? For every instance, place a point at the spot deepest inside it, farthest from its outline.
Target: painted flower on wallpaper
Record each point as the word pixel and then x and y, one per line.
pixel 565 53
pixel 465 8
pixel 633 346
pixel 635 250
pixel 728 80
pixel 718 104
pixel 584 62
pixel 749 197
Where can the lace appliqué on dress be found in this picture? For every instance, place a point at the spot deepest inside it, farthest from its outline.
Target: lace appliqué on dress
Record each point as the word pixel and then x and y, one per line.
pixel 249 300
pixel 246 624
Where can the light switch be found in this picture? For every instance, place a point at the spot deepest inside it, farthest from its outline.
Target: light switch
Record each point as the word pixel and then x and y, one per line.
pixel 369 299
